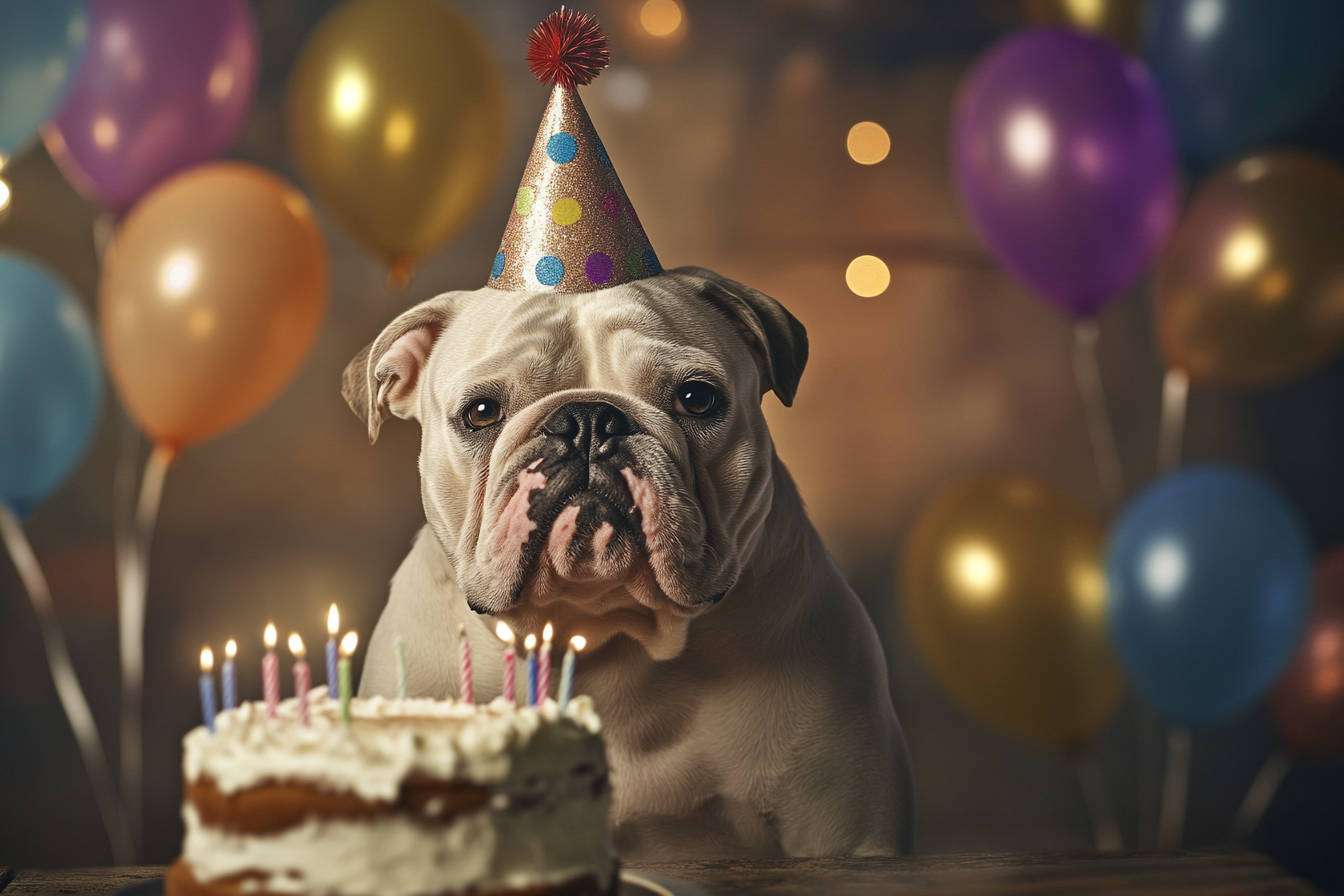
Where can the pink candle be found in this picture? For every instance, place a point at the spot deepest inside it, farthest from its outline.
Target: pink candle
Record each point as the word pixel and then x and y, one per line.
pixel 464 645
pixel 303 676
pixel 270 673
pixel 544 665
pixel 510 662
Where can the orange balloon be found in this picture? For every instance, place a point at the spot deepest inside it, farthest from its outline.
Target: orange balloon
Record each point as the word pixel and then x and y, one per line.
pixel 211 296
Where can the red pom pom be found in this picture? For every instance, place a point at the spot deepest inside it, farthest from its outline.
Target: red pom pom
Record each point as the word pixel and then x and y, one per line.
pixel 568 48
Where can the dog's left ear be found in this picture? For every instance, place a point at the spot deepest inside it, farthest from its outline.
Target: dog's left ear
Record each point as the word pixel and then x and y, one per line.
pixel 775 336
pixel 384 378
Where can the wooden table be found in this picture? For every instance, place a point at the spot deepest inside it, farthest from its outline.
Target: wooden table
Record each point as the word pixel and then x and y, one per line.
pixel 1224 873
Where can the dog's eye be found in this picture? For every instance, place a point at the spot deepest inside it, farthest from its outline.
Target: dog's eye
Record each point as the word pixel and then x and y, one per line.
pixel 482 412
pixel 696 399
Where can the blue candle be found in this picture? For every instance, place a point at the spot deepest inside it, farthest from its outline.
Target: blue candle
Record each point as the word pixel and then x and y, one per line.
pixel 230 683
pixel 576 643
pixel 530 642
pixel 333 626
pixel 208 689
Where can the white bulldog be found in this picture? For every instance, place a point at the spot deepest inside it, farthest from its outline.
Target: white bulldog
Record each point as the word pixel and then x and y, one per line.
pixel 600 461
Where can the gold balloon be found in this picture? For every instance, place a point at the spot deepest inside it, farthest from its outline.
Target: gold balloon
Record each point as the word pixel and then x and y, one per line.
pixel 1004 593
pixel 396 119
pixel 211 296
pixel 1119 20
pixel 1250 291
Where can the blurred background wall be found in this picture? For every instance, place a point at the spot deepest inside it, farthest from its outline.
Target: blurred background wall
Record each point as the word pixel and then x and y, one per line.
pixel 730 138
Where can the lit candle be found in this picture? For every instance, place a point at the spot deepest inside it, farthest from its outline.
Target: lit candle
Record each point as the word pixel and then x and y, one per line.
pixel 505 634
pixel 530 642
pixel 464 646
pixel 401 668
pixel 208 689
pixel 348 645
pixel 303 676
pixel 270 673
pixel 576 643
pixel 230 682
pixel 333 626
pixel 544 664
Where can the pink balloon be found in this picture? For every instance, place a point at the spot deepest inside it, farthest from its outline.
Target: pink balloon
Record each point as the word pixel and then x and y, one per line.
pixel 164 84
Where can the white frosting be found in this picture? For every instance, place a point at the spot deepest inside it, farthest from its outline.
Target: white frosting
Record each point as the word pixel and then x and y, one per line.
pixel 386 741
pixel 545 824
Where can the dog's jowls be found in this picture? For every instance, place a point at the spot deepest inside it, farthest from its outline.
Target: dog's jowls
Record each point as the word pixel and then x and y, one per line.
pixel 600 461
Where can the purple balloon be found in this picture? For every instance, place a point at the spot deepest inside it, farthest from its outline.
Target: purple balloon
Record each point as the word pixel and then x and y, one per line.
pixel 164 84
pixel 1065 158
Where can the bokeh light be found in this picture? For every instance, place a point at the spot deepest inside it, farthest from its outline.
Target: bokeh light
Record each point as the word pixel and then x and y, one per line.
pixel 4 195
pixel 867 276
pixel 868 143
pixel 661 18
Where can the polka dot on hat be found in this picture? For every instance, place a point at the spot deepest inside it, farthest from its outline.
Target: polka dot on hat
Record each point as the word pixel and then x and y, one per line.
pixel 566 211
pixel 562 148
pixel 598 268
pixel 550 271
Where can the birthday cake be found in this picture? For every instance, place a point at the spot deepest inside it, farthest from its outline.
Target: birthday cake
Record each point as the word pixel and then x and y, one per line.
pixel 408 798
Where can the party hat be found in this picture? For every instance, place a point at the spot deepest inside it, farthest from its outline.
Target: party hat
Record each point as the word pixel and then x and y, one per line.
pixel 572 228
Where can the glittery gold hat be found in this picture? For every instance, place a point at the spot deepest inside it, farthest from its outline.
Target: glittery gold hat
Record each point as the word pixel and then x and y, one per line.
pixel 572 228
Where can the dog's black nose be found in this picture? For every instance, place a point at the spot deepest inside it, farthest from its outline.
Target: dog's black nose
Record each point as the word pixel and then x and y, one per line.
pixel 593 428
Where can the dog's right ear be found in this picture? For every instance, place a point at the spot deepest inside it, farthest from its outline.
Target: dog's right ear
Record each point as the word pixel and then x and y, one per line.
pixel 384 378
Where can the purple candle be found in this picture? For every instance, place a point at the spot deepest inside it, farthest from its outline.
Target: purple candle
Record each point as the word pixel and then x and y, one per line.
pixel 333 626
pixel 530 642
pixel 230 681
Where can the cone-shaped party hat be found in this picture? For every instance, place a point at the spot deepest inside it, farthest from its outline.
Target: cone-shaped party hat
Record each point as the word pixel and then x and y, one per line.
pixel 572 228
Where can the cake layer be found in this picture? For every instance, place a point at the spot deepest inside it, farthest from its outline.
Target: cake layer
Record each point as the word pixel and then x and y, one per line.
pixel 271 807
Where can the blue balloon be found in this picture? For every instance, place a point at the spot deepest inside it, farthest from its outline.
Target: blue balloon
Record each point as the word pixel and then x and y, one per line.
pixel 1237 73
pixel 51 382
pixel 40 46
pixel 1209 575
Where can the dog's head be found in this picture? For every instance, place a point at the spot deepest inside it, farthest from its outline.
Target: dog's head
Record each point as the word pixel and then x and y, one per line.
pixel 597 459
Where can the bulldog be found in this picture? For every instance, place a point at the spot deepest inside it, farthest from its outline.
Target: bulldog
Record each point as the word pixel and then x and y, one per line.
pixel 600 461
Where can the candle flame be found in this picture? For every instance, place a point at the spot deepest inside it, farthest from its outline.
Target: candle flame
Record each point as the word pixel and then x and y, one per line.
pixel 530 642
pixel 504 633
pixel 578 642
pixel 207 659
pixel 296 646
pixel 269 637
pixel 461 630
pixel 333 621
pixel 349 643
pixel 547 633
pixel 231 649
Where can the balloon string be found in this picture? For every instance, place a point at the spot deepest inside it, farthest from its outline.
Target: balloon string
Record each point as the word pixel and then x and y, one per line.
pixel 133 579
pixel 67 687
pixel 1175 789
pixel 1087 374
pixel 1259 796
pixel 1149 734
pixel 1092 780
pixel 1171 432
